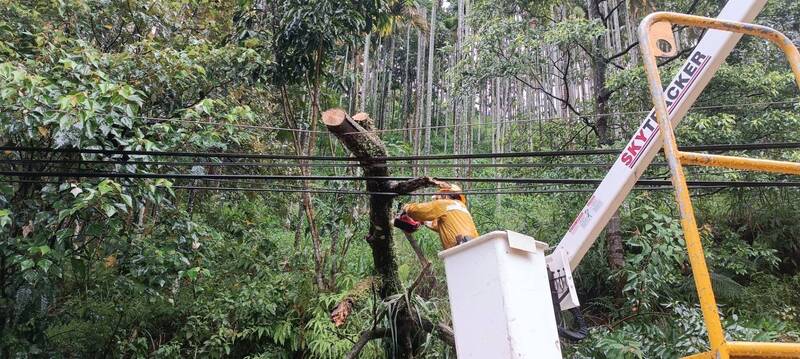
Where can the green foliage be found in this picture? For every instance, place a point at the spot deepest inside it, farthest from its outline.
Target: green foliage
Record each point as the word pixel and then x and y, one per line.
pixel 678 331
pixel 140 268
pixel 657 253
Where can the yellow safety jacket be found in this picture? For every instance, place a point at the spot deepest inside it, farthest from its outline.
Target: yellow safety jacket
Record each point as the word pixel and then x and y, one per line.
pixel 448 217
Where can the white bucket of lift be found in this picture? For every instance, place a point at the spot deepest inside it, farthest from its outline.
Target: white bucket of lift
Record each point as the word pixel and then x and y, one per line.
pixel 500 298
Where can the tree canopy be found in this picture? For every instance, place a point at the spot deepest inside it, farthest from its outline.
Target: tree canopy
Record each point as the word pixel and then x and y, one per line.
pixel 145 209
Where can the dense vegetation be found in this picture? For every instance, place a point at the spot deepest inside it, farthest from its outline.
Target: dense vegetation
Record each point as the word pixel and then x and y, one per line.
pixel 138 267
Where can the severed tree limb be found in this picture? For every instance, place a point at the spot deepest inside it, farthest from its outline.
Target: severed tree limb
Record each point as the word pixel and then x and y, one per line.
pixel 363 144
pixel 425 268
pixel 441 330
pixel 412 185
pixel 342 310
pixel 364 338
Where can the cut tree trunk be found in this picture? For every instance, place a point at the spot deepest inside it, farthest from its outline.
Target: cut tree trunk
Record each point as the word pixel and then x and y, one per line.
pixel 371 152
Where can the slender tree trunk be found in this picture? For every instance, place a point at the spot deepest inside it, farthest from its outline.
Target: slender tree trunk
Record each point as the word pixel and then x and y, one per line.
pixel 496 147
pixel 419 99
pixel 298 230
pixel 406 87
pixel 319 259
pixel 387 87
pixel 362 107
pixel 458 133
pixel 377 72
pixel 431 56
pixel 344 72
pixel 354 88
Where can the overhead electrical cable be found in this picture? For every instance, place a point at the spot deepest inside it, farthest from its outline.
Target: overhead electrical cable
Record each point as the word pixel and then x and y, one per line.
pixel 521 191
pixel 609 151
pixel 592 181
pixel 302 164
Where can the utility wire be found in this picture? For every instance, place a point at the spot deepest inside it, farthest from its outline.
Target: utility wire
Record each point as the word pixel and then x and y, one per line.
pixel 298 164
pixel 593 181
pixel 471 193
pixel 354 192
pixel 609 151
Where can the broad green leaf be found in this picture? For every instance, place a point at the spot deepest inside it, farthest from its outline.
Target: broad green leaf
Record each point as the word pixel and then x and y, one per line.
pixel 5 217
pixel 27 264
pixel 44 264
pixel 127 199
pixel 109 209
pixel 104 187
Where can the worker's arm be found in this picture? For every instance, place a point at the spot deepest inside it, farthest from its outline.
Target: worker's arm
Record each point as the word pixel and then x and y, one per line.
pixel 426 211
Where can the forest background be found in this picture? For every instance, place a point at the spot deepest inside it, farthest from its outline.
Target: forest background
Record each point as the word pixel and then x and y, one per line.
pixel 211 267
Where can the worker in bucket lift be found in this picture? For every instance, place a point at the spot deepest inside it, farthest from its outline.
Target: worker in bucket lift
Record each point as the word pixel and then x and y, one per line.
pixel 446 214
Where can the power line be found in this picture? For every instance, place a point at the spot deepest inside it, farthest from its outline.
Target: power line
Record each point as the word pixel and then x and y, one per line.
pixel 609 151
pixel 354 192
pixel 322 189
pixel 700 170
pixel 593 181
pixel 297 164
pixel 334 191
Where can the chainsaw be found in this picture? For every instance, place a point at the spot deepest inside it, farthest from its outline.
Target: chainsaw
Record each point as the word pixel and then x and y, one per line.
pixel 404 221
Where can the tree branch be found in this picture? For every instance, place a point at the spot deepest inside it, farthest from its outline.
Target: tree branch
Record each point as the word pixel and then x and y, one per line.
pixel 691 9
pixel 678 55
pixel 623 52
pixel 444 332
pixel 417 250
pixel 364 338
pixel 599 14
pixel 425 268
pixel 611 11
pixel 412 185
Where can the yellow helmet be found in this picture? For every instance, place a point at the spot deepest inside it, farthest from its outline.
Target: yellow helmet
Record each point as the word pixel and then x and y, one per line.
pixel 453 188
